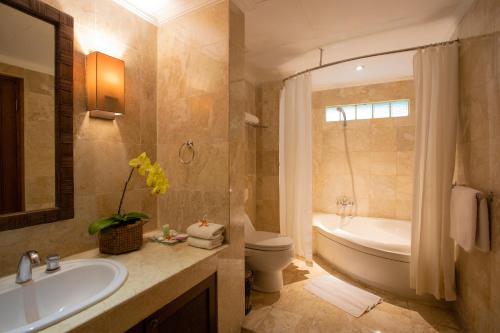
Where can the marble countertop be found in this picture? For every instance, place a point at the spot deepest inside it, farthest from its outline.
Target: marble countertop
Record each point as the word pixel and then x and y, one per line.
pixel 152 265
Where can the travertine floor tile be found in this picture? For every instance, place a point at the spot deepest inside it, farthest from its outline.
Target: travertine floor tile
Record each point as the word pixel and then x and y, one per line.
pixel 297 310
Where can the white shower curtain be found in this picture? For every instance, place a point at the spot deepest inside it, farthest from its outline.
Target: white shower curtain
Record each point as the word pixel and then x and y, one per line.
pixel 432 268
pixel 295 174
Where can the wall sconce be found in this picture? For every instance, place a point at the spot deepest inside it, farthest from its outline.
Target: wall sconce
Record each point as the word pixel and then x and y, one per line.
pixel 105 81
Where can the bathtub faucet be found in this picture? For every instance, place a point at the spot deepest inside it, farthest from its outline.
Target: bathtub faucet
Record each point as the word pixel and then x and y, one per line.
pixel 344 202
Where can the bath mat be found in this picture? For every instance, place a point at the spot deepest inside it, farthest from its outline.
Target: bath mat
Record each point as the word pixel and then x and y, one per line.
pixel 343 295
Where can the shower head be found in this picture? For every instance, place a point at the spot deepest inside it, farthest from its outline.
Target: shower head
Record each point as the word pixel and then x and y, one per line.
pixel 342 112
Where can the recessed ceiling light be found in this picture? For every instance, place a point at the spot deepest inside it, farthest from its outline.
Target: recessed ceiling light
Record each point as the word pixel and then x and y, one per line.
pixel 360 67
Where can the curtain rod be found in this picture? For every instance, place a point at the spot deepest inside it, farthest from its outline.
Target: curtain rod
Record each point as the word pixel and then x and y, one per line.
pixel 369 56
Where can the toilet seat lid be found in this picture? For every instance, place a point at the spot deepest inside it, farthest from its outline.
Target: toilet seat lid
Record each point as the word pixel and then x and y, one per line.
pixel 267 241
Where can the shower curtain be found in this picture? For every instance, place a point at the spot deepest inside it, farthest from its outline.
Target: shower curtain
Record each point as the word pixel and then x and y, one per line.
pixel 295 170
pixel 432 268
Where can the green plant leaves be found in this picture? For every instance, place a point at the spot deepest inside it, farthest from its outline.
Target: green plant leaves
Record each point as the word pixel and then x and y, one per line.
pixel 116 220
pixel 101 224
pixel 135 216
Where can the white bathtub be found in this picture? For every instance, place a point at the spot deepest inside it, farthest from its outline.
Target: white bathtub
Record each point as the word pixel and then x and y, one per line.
pixel 372 250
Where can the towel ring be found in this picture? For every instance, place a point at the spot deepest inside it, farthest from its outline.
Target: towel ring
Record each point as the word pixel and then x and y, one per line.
pixel 189 145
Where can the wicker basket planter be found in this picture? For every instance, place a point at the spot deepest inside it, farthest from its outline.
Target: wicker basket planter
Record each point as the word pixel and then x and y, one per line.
pixel 121 239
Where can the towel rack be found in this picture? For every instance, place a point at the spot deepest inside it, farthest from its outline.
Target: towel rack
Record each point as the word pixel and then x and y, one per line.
pixel 256 125
pixel 188 145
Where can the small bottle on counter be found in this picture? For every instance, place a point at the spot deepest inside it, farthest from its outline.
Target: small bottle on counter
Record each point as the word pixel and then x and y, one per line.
pixel 166 231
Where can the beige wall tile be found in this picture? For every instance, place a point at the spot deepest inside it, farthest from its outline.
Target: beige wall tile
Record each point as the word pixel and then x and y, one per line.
pixel 403 209
pixel 383 163
pixel 383 138
pixel 478 302
pixel 404 186
pixel 380 151
pixel 405 163
pixel 194 104
pixel 405 138
pixel 186 65
pixel 383 208
pixel 383 188
pixel 265 98
pixel 101 148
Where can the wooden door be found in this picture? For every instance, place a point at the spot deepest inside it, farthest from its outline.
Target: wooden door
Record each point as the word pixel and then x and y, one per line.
pixel 11 146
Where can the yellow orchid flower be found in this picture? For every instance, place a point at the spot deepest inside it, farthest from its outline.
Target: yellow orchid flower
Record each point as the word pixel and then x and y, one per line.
pixel 154 172
pixel 142 163
pixel 156 180
pixel 159 189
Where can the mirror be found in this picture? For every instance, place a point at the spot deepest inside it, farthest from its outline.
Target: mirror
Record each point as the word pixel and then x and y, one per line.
pixel 36 114
pixel 27 104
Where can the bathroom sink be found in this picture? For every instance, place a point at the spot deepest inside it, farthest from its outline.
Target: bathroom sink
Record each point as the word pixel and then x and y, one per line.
pixel 52 297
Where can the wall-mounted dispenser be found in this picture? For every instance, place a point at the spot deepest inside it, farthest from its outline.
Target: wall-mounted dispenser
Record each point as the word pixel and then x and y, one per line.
pixel 105 81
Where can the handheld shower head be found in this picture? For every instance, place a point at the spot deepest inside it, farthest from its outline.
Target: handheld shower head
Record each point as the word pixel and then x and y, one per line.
pixel 342 112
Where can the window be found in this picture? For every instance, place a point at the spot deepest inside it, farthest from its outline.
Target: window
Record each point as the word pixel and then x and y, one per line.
pixel 332 114
pixel 391 109
pixel 350 112
pixel 381 110
pixel 363 111
pixel 399 109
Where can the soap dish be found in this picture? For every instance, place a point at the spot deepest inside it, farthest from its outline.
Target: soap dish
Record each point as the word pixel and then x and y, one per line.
pixel 174 239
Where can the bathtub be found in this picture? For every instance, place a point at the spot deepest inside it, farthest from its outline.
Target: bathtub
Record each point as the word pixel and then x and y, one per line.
pixel 372 250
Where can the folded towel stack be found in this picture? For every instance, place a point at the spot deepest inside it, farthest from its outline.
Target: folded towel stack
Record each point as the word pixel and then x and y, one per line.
pixel 205 235
pixel 469 219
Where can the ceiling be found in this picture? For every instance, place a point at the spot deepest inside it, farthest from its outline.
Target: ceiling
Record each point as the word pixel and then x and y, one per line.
pixel 280 32
pixel 283 36
pixel 160 11
pixel 387 68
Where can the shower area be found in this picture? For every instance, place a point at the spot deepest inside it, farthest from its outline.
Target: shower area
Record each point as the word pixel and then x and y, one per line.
pixel 363 149
pixel 366 165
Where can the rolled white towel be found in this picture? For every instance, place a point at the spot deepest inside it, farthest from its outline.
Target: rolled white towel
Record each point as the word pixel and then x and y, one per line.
pixel 205 231
pixel 205 243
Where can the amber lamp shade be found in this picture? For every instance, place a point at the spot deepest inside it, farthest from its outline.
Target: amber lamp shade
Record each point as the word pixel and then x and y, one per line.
pixel 105 81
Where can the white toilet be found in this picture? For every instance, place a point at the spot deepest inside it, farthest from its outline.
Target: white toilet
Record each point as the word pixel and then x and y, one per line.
pixel 267 254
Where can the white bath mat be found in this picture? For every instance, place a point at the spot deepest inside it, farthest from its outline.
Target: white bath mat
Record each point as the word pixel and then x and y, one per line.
pixel 349 298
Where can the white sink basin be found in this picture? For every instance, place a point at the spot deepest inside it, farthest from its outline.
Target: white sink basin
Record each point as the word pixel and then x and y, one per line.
pixel 50 298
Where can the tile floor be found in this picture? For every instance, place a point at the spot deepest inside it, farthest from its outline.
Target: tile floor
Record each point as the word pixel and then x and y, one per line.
pixel 297 310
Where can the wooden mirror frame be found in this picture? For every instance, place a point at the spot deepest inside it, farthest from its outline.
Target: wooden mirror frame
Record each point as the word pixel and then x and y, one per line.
pixel 63 108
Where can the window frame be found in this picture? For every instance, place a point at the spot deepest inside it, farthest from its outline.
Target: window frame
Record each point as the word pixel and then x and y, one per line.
pixel 355 105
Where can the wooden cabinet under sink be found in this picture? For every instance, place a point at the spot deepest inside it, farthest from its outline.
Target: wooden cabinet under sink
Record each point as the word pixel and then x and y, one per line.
pixel 195 311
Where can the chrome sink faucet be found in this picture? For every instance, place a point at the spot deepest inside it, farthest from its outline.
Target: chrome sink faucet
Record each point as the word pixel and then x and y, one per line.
pixel 26 262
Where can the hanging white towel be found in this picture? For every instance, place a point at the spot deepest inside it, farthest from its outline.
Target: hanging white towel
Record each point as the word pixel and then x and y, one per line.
pixel 205 243
pixel 483 227
pixel 463 216
pixel 469 219
pixel 205 231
